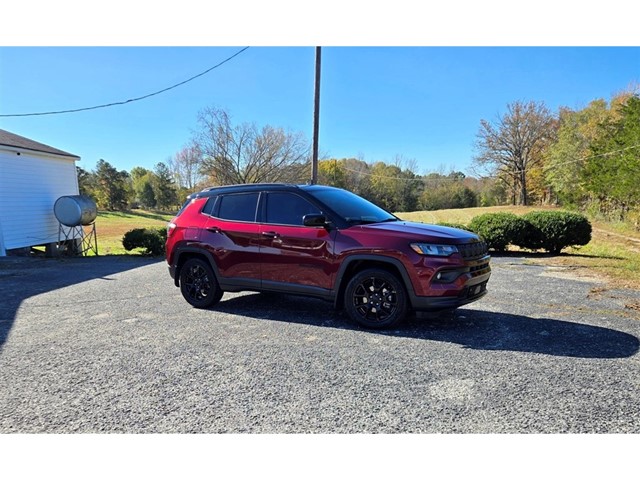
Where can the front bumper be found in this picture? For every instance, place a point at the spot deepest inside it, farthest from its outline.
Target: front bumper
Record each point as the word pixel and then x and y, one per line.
pixel 469 294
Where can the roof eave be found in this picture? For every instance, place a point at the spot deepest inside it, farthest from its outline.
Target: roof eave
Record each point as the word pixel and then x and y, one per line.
pixel 20 150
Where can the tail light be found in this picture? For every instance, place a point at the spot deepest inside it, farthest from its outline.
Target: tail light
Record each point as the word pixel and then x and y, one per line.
pixel 170 229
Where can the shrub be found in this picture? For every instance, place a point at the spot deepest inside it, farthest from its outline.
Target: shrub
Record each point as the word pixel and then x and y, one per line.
pixel 500 229
pixel 152 240
pixel 553 230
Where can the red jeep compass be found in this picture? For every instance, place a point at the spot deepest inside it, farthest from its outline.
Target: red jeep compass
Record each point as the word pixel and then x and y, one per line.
pixel 323 242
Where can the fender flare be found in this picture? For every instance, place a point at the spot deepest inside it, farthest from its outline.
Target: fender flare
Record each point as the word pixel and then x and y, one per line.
pixel 190 250
pixel 341 281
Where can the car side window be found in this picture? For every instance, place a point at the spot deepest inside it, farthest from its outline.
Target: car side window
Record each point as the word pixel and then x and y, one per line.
pixel 239 207
pixel 285 208
pixel 208 208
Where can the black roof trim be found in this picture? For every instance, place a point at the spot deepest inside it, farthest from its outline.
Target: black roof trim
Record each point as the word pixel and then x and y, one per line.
pixel 248 187
pixel 9 139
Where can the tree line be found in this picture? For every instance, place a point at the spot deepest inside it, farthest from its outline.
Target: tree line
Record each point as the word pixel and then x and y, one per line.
pixel 586 159
pixel 121 190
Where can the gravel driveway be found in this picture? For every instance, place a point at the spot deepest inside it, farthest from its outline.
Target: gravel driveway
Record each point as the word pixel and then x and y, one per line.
pixel 107 344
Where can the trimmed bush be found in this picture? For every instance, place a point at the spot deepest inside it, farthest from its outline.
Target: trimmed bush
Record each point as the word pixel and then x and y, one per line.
pixel 500 229
pixel 554 230
pixel 152 240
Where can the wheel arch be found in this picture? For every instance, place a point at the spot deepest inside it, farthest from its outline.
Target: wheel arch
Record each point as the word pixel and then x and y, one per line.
pixel 356 263
pixel 185 253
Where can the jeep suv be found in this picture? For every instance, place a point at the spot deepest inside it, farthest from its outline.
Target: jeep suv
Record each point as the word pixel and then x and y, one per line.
pixel 322 242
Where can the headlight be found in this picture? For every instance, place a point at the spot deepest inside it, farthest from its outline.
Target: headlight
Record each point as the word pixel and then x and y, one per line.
pixel 434 249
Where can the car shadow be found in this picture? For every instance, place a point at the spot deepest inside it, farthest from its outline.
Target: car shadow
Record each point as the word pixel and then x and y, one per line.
pixel 24 277
pixel 472 329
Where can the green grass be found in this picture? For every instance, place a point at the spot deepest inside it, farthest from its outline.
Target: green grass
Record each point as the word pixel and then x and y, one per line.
pixel 613 257
pixel 111 227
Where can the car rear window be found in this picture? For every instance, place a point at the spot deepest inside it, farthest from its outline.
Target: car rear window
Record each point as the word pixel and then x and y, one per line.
pixel 239 207
pixel 208 208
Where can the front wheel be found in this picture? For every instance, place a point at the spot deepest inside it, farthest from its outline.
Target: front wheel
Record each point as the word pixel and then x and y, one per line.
pixel 198 284
pixel 375 298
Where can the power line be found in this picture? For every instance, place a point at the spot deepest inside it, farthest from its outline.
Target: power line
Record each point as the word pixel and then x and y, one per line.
pixel 131 100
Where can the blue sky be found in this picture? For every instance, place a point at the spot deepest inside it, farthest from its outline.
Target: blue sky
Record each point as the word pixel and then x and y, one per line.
pixel 396 80
pixel 420 103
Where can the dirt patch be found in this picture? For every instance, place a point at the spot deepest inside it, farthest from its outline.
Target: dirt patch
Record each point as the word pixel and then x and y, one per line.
pixel 577 273
pixel 633 306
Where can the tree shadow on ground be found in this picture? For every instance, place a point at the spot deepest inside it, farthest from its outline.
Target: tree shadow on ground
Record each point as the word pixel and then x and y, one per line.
pixel 473 329
pixel 24 277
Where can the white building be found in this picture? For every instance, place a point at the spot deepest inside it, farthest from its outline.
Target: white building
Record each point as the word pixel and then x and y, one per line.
pixel 32 177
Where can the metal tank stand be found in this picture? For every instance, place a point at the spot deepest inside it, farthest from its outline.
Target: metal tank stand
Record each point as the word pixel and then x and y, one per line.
pixel 77 240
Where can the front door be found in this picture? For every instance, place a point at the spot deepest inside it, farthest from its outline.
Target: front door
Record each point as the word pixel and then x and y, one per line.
pixel 294 258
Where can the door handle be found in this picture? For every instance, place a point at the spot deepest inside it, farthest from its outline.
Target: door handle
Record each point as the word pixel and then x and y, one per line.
pixel 214 229
pixel 270 234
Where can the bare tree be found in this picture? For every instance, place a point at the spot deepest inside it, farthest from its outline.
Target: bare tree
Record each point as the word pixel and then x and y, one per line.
pixel 186 166
pixel 248 154
pixel 514 144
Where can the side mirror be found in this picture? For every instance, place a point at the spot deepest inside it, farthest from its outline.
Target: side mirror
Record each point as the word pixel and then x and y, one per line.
pixel 315 220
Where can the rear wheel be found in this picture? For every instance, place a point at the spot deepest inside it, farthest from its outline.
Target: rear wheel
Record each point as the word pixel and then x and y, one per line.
pixel 375 298
pixel 198 284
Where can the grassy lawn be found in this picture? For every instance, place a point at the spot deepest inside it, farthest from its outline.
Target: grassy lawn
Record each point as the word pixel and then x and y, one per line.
pixel 111 226
pixel 610 255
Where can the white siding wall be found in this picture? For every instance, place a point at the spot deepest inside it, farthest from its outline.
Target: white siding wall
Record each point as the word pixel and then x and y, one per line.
pixel 30 184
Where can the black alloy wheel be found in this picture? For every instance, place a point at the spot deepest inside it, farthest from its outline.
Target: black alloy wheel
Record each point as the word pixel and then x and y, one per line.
pixel 375 298
pixel 198 284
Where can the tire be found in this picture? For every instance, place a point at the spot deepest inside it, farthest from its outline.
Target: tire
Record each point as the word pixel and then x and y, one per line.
pixel 375 298
pixel 198 284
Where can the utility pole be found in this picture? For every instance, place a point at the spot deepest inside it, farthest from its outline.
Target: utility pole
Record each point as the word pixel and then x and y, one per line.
pixel 316 120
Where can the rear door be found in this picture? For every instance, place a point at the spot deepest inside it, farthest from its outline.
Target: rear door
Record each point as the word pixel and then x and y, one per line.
pixel 232 235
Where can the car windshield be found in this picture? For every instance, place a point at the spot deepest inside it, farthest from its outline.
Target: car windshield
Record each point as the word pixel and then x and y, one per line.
pixel 354 209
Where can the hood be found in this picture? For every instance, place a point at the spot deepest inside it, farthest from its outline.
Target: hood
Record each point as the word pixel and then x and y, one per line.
pixel 420 231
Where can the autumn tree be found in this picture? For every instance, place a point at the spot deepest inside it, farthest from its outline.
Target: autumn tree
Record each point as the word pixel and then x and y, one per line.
pixel 447 191
pixel 393 187
pixel 332 172
pixel 514 144
pixel 245 153
pixel 357 176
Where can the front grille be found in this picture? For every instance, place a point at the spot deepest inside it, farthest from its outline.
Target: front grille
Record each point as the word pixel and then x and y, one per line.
pixel 479 270
pixel 470 251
